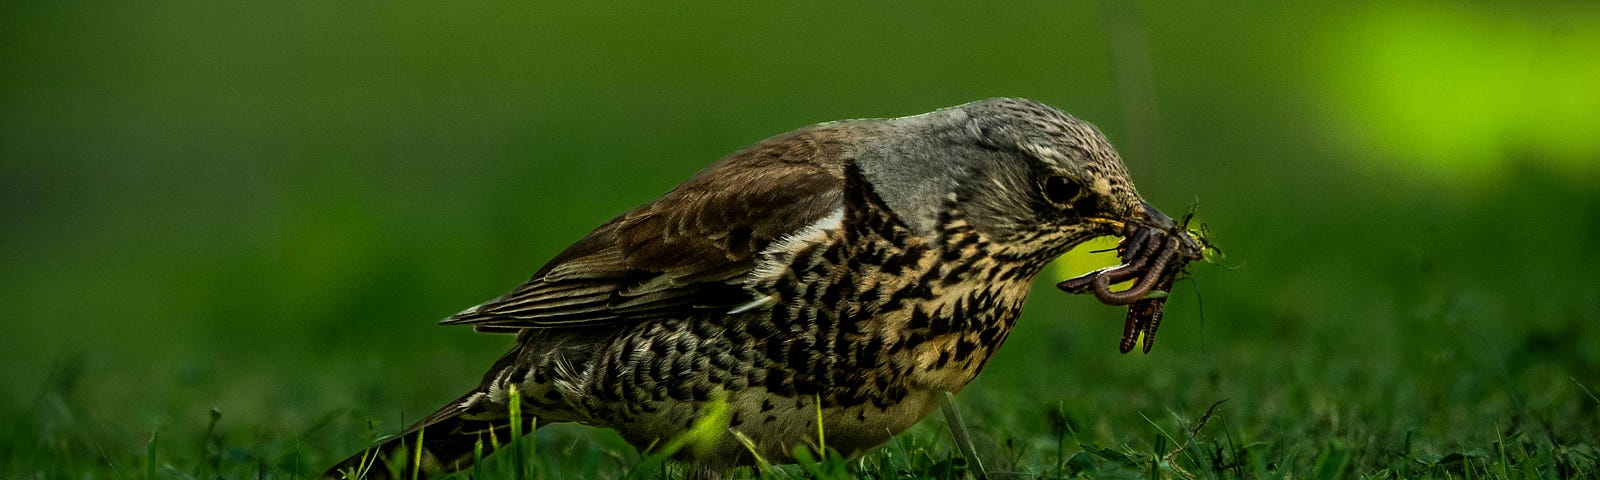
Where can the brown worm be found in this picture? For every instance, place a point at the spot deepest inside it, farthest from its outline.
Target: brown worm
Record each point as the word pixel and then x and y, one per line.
pixel 1134 242
pixel 1148 253
pixel 1131 326
pixel 1144 316
pixel 1102 283
pixel 1119 273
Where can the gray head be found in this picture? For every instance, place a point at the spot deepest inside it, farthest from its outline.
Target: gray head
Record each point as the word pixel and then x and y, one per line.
pixel 1028 176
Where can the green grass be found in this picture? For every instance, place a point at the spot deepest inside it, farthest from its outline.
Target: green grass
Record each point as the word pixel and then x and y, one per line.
pixel 1059 442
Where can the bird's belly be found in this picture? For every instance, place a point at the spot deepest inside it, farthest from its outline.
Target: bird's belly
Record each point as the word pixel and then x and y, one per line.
pixel 756 422
pixel 761 389
pixel 849 431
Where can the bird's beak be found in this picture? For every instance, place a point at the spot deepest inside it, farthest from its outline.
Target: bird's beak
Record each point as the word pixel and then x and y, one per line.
pixel 1145 216
pixel 1153 218
pixel 1193 245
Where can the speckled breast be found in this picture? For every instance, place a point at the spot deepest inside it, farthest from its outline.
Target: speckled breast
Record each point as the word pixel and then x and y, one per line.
pixel 866 326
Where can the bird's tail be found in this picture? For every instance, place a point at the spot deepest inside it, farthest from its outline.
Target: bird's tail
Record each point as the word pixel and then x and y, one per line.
pixel 446 441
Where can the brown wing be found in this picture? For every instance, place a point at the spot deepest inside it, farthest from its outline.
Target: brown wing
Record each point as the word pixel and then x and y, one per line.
pixel 686 252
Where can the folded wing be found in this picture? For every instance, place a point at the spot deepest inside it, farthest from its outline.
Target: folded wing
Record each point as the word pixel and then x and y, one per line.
pixel 686 253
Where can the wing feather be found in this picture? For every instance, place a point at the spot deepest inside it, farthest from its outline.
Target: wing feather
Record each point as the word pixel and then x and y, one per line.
pixel 687 252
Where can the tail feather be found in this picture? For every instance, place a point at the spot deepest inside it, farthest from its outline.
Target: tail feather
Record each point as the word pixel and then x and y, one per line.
pixel 450 437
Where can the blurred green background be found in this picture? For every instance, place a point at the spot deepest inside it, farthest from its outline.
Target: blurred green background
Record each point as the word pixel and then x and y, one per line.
pixel 263 207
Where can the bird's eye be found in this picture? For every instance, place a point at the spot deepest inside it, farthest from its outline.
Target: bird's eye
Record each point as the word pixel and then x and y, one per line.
pixel 1062 191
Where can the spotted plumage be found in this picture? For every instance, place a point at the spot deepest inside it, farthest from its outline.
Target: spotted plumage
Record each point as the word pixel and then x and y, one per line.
pixel 851 270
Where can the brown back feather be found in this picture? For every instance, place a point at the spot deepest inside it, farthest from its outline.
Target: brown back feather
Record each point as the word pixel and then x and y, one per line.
pixel 688 250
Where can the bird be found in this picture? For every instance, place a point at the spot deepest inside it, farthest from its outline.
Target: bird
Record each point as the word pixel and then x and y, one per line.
pixel 848 273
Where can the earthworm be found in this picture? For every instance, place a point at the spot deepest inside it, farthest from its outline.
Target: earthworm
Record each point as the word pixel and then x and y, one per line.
pixel 1134 251
pixel 1102 283
pixel 1133 244
pixel 1144 316
pixel 1158 306
pixel 1136 323
pixel 1148 253
pixel 1119 273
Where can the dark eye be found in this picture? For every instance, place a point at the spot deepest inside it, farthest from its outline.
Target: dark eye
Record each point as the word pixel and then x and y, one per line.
pixel 1062 191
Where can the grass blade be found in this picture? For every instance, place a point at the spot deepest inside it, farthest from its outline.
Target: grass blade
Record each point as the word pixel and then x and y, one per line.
pixel 958 428
pixel 150 457
pixel 517 459
pixel 416 457
pixel 1331 462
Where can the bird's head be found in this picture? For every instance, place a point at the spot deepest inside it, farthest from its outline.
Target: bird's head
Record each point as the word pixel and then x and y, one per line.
pixel 1033 179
